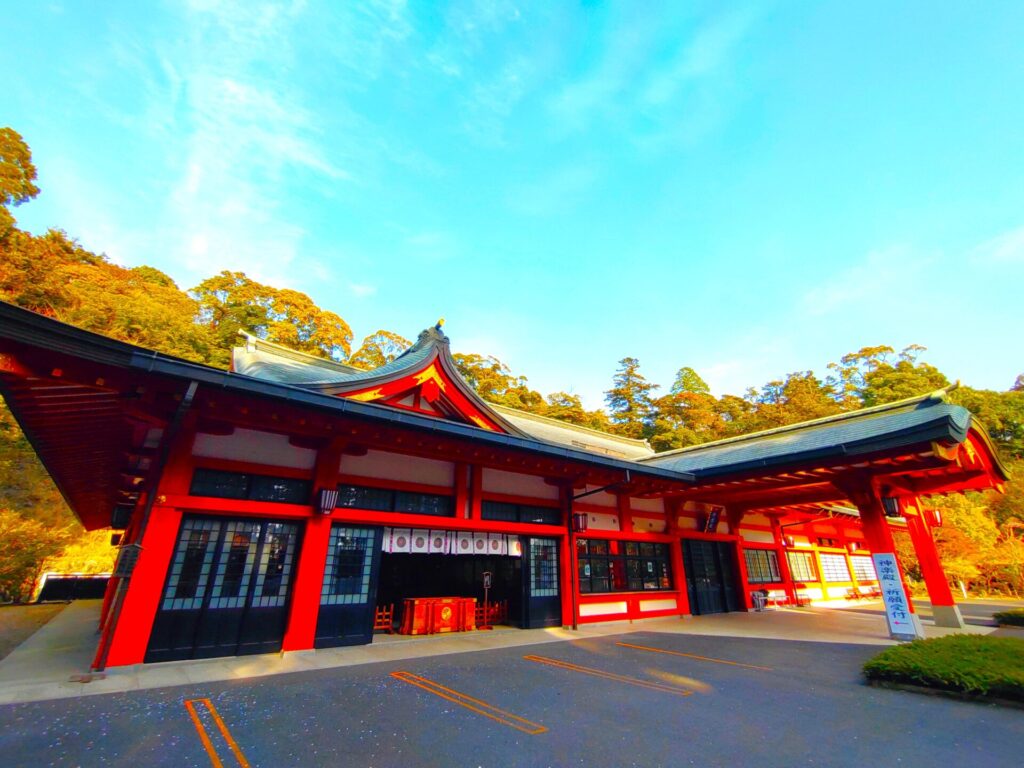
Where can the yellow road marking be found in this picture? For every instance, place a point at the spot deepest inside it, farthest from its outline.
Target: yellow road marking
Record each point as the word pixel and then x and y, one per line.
pixel 205 737
pixel 207 744
pixel 475 705
pixel 694 656
pixel 610 675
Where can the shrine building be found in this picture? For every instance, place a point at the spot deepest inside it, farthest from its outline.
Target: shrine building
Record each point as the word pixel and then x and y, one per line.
pixel 296 503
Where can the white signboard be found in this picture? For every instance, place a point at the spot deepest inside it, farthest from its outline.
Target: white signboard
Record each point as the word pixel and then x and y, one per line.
pixel 903 624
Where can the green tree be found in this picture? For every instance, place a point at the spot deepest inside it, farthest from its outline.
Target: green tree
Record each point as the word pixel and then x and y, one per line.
pixel 569 408
pixel 26 544
pixel 231 302
pixel 876 375
pixel 688 381
pixel 629 400
pixel 17 175
pixel 800 397
pixel 378 349
pixel 1002 413
pixel 688 414
pixel 495 382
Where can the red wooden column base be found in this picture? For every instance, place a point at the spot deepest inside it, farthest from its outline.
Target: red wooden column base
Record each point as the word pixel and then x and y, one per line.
pixel 944 610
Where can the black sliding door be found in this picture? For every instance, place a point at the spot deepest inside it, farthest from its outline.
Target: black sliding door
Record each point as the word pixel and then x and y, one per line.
pixel 227 591
pixel 349 593
pixel 710 576
pixel 542 602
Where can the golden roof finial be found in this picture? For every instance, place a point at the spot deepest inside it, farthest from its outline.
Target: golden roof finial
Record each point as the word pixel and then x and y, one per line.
pixel 439 324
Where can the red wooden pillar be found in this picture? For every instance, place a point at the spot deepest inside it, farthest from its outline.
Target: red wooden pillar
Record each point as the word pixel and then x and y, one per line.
pixel 309 579
pixel 569 582
pixel 944 610
pixel 461 490
pixel 883 549
pixel 675 549
pixel 309 574
pixel 625 512
pixel 130 637
pixel 735 517
pixel 476 491
pixel 784 572
pixel 126 631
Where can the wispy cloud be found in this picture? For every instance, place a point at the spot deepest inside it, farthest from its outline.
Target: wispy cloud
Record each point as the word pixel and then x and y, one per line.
pixel 491 102
pixel 710 48
pixel 868 285
pixel 649 68
pixel 1007 248
pixel 361 290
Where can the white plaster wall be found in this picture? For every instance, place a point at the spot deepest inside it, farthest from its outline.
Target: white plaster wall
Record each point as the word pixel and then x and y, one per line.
pixel 517 484
pixel 600 522
pixel 659 605
pixel 257 447
pixel 396 466
pixel 761 537
pixel 602 609
pixel 647 505
pixel 600 499
pixel 649 525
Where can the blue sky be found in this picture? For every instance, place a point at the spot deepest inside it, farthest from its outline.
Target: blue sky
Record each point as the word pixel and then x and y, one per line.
pixel 749 189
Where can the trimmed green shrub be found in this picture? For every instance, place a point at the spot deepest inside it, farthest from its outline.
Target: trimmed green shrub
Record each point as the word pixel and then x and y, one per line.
pixel 1014 616
pixel 976 665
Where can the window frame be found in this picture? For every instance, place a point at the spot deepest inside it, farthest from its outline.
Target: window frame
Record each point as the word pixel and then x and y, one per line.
pixel 247 486
pixel 829 574
pixel 515 512
pixel 807 559
pixel 392 499
pixel 765 568
pixel 622 566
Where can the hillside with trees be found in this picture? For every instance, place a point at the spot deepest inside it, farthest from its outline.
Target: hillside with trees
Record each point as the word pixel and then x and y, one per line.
pixel 56 276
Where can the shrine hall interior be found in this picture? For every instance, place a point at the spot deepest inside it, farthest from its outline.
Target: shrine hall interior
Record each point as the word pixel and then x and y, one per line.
pixel 292 502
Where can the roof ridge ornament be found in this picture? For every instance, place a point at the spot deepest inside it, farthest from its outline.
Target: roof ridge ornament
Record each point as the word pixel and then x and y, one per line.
pixel 431 334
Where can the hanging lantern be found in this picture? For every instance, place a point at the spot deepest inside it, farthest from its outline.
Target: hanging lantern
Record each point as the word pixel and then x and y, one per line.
pixel 579 522
pixel 326 500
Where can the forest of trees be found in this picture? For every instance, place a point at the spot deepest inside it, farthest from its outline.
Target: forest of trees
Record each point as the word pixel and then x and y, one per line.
pixel 54 275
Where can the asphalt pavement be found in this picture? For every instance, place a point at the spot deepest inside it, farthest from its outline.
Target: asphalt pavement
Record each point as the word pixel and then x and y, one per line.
pixel 642 698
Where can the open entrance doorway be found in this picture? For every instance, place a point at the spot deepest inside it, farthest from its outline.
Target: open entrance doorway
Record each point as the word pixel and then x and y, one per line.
pixel 405 575
pixel 524 573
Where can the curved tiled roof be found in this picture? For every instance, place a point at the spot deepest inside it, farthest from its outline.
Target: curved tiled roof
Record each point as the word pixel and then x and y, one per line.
pixel 564 433
pixel 906 422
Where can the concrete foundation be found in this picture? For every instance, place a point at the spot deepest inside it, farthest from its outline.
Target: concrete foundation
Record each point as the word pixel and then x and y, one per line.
pixel 948 616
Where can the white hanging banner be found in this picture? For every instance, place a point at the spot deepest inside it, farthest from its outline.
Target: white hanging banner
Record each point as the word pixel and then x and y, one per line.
pixel 400 540
pixel 439 542
pixel 464 543
pixel 515 546
pixel 420 541
pixel 497 544
pixel 385 542
pixel 479 543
